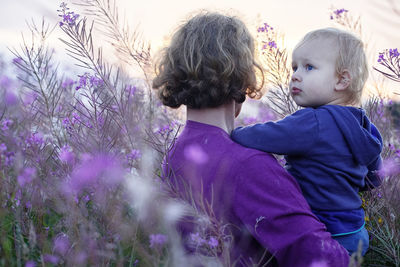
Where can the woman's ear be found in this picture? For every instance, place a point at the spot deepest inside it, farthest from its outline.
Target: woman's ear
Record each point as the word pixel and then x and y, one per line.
pixel 344 80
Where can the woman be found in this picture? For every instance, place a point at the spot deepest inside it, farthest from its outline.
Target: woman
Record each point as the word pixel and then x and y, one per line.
pixel 209 67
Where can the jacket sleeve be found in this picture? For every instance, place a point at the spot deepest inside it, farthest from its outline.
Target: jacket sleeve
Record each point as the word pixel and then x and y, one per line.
pixel 373 179
pixel 293 135
pixel 269 203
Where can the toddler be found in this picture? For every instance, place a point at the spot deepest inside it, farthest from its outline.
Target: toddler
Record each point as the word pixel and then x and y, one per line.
pixel 330 147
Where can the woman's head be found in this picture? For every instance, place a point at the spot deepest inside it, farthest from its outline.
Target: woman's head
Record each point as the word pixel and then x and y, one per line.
pixel 209 62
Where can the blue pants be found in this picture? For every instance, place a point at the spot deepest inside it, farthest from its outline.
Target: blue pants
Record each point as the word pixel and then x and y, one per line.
pixel 350 241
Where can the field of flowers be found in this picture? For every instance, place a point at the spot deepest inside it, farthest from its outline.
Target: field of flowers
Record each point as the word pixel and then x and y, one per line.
pixel 79 156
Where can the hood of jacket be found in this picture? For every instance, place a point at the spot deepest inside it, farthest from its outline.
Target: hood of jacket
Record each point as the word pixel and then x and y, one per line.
pixel 361 136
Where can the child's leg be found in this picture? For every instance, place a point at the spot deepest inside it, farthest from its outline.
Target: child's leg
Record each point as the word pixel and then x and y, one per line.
pixel 350 242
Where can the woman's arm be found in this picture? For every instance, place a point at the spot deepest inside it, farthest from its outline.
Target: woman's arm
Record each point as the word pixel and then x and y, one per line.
pixel 269 203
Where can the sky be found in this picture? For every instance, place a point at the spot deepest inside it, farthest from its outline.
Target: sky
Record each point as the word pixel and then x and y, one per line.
pixel 157 19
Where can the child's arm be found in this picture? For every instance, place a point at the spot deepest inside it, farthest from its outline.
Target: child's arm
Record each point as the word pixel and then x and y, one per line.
pixel 373 179
pixel 293 135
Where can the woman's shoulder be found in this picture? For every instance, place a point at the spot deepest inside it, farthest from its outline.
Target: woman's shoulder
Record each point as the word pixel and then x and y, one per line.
pixel 251 158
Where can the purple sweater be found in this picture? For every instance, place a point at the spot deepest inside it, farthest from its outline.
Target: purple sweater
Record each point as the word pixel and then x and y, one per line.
pixel 251 191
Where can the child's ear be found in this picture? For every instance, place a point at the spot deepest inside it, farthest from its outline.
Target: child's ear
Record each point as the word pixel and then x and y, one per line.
pixel 344 80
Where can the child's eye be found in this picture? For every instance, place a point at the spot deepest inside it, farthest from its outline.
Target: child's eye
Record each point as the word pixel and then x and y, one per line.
pixel 294 68
pixel 309 67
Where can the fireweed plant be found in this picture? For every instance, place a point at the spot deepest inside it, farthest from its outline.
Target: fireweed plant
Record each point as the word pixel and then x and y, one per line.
pixel 80 155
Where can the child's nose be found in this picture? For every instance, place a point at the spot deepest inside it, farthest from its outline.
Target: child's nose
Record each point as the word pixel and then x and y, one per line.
pixel 296 76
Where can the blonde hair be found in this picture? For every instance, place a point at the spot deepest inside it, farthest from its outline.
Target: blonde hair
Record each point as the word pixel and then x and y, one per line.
pixel 209 62
pixel 351 57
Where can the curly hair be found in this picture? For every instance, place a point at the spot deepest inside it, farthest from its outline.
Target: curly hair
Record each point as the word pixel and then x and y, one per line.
pixel 209 62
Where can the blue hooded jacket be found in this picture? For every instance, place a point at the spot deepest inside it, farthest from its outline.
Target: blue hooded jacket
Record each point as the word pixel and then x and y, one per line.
pixel 333 152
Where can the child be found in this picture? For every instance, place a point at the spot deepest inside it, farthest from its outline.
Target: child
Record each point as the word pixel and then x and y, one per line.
pixel 331 148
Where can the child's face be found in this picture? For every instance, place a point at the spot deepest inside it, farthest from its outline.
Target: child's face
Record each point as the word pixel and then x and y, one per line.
pixel 314 75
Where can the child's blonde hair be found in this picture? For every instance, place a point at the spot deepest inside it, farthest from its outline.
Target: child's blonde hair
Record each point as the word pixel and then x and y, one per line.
pixel 351 57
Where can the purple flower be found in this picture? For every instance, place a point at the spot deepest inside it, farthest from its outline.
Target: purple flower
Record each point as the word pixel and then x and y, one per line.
pixel 338 13
pixel 86 198
pixel 196 154
pixel 5 124
pixel 381 57
pixel 68 17
pixel 157 240
pixel 272 44
pixel 393 53
pixel 50 259
pixel 9 159
pixel 5 82
pixel 61 244
pixel 86 80
pixel 130 90
pixel 164 129
pixel 29 98
pixel 265 28
pixel 30 264
pixel 17 60
pixel 249 120
pixel 213 242
pixel 95 82
pixel 261 29
pixel 26 176
pixel 10 98
pixel 93 171
pixel 67 83
pixel 82 81
pixel 196 238
pixel 3 148
pixel 134 154
pixel 35 139
pixel 75 118
pixel 390 166
pixel 66 155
